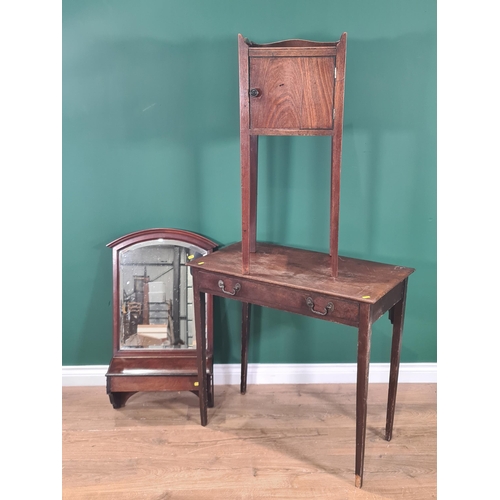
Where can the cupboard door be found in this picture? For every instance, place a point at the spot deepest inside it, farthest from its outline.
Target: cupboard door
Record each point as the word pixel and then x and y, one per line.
pixel 294 93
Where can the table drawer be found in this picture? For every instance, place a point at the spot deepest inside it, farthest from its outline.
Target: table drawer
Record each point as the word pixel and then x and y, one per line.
pixel 315 305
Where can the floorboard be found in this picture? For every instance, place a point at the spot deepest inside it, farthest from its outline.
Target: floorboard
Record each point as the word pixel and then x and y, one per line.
pixel 277 441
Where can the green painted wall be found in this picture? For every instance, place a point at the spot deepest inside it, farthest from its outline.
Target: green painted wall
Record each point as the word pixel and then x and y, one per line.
pixel 150 139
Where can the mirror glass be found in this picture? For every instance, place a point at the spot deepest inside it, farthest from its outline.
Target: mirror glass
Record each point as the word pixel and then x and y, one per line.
pixel 156 295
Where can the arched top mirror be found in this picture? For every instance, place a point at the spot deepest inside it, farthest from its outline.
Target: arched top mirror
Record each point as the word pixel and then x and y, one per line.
pixel 153 293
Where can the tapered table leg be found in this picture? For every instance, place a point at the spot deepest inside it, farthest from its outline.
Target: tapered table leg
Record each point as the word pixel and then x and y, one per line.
pixel 397 314
pixel 364 338
pixel 210 389
pixel 245 330
pixel 201 350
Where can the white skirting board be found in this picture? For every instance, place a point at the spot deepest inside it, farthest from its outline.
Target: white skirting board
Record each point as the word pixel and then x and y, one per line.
pixel 261 373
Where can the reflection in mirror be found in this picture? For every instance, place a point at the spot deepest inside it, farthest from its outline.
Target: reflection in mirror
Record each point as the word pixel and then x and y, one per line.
pixel 157 295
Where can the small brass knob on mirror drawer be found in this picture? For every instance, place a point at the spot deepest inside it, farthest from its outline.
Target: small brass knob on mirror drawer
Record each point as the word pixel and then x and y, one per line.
pixel 254 92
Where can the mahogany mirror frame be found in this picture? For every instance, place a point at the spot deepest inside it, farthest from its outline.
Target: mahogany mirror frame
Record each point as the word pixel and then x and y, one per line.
pixel 172 369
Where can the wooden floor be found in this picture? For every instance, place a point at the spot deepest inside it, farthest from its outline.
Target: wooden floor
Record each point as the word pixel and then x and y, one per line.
pixel 277 441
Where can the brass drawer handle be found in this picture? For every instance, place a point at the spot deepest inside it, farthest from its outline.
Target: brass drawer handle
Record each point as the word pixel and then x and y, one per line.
pixel 310 303
pixel 236 288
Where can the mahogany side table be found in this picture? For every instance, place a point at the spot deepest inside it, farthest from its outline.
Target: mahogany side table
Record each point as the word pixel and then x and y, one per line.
pixel 298 281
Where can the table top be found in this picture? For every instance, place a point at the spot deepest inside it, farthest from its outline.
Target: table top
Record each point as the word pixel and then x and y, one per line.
pixel 359 280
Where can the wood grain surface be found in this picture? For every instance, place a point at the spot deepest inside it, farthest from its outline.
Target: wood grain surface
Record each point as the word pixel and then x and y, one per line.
pixel 296 92
pixel 358 280
pixel 286 441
